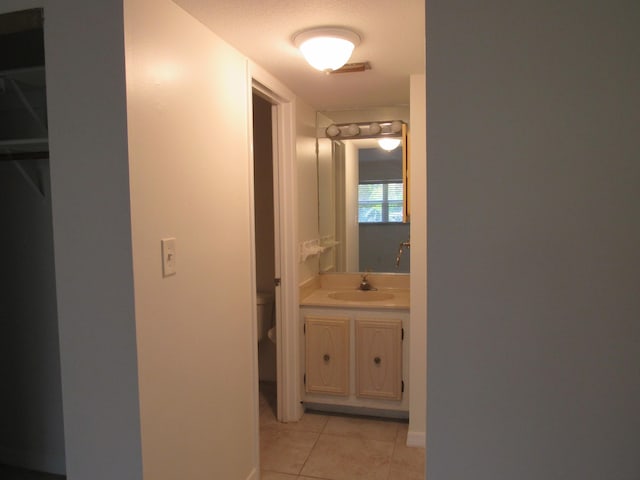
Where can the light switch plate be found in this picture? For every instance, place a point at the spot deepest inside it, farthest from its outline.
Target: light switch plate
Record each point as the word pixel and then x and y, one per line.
pixel 168 256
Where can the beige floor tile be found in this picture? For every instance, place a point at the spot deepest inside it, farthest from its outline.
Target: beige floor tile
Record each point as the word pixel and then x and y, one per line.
pixel 285 451
pixel 336 457
pixel 268 396
pixel 265 475
pixel 265 398
pixel 396 474
pixel 401 436
pixel 362 428
pixel 267 417
pixel 310 422
pixel 268 405
pixel 408 459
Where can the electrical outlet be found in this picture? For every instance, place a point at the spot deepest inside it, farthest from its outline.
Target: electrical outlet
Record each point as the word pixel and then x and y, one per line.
pixel 168 256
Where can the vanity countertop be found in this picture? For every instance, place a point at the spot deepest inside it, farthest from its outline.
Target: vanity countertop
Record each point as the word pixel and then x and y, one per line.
pixel 322 297
pixel 340 290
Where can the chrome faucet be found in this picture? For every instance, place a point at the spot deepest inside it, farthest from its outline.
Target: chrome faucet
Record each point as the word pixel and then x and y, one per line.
pixel 403 245
pixel 364 283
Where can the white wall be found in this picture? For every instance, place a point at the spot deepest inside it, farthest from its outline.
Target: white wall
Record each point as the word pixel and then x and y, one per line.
pixel 188 102
pixel 377 114
pixel 418 261
pixel 534 208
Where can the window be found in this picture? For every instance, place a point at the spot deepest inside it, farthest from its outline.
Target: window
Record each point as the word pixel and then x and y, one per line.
pixel 380 202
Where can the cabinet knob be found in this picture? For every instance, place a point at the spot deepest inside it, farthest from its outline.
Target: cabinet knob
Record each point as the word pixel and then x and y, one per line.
pixel 377 360
pixel 326 357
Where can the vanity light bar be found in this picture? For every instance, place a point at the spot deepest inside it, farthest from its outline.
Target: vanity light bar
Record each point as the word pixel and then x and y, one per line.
pixel 365 129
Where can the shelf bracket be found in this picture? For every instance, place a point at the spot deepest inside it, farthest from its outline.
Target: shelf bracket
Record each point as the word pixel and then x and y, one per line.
pixel 31 177
pixel 27 105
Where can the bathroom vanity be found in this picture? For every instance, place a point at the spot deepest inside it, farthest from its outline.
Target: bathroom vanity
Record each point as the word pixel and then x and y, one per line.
pixel 355 352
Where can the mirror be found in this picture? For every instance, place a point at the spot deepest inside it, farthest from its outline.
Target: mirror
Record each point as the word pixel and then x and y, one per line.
pixel 362 208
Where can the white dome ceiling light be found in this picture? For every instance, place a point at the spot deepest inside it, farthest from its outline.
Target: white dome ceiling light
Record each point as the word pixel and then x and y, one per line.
pixel 326 49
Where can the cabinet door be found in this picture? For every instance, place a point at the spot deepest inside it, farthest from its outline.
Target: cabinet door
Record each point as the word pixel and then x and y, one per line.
pixel 327 355
pixel 379 358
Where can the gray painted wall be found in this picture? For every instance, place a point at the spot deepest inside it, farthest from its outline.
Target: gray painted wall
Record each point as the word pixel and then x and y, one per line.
pixel 534 237
pixel 379 242
pixel 86 102
pixel 31 428
pixel 379 245
pixel 377 164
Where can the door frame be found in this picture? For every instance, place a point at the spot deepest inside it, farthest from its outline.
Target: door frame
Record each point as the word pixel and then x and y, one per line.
pixel 286 295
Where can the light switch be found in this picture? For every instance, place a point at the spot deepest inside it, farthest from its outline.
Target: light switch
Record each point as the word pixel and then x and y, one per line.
pixel 168 256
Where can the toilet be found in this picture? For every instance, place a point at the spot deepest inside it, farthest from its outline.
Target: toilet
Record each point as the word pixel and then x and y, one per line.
pixel 265 311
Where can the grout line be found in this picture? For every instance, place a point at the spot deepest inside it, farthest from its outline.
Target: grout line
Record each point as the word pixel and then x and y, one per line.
pixel 323 432
pixel 309 454
pixel 393 452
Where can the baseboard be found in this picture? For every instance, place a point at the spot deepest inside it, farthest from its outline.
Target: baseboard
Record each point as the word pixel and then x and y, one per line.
pixel 356 410
pixel 253 475
pixel 39 461
pixel 416 439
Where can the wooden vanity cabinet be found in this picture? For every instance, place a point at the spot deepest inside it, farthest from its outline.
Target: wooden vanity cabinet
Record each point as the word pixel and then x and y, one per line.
pixel 379 358
pixel 327 355
pixel 354 359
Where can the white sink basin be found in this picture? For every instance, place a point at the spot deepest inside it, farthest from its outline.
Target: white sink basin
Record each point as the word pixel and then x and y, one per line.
pixel 361 295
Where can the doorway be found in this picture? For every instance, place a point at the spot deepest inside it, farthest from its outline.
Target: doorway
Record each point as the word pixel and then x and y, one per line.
pixel 277 122
pixel 32 433
pixel 280 103
pixel 265 188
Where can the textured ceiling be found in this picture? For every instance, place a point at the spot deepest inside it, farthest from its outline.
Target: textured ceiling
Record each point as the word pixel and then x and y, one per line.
pixel 393 42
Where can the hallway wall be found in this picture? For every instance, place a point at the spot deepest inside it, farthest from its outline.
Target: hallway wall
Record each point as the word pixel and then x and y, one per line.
pixel 534 228
pixel 187 99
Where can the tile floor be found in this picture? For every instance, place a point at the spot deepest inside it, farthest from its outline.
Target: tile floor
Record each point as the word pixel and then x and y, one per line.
pixel 334 447
pixel 318 447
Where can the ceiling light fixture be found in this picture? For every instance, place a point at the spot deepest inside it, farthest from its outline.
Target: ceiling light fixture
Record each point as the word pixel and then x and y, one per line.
pixel 326 49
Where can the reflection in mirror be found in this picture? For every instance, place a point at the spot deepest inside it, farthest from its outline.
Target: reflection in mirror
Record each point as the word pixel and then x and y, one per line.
pixel 361 203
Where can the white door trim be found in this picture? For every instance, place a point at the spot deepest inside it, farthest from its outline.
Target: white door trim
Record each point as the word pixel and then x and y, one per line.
pixel 287 343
